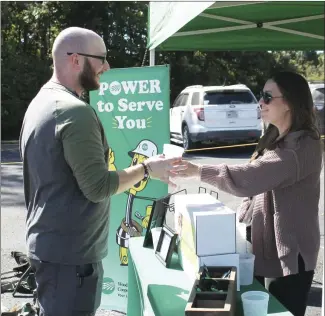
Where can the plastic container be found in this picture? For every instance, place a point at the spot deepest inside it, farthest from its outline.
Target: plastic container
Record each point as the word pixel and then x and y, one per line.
pixel 246 268
pixel 241 242
pixel 171 151
pixel 255 303
pixel 4 309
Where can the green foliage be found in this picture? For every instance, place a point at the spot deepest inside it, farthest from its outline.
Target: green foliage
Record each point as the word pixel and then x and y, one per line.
pixel 28 30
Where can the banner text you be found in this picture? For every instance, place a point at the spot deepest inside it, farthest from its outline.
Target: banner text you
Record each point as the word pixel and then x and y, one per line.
pixel 133 88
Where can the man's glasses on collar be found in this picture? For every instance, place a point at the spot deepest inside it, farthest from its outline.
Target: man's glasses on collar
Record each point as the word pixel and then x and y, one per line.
pixel 102 58
pixel 267 97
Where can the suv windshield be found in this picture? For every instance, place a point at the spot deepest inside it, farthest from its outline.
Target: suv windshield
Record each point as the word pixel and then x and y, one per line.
pixel 228 97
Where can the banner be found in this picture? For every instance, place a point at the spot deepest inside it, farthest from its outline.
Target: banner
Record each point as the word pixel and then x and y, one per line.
pixel 133 106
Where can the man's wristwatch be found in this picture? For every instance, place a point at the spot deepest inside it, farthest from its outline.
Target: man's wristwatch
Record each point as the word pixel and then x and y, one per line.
pixel 146 171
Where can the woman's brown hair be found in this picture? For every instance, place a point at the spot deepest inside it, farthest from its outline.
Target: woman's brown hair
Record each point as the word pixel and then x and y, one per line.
pixel 295 90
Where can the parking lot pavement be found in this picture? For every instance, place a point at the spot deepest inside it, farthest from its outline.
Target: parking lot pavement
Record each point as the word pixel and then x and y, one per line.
pixel 10 152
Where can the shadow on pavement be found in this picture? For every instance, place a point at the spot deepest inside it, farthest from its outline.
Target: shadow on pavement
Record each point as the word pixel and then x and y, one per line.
pixel 315 297
pixel 12 186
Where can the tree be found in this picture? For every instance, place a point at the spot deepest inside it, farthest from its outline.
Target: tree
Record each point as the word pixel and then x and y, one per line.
pixel 29 29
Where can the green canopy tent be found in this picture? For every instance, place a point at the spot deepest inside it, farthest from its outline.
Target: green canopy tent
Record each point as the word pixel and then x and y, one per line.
pixel 249 26
pixel 219 25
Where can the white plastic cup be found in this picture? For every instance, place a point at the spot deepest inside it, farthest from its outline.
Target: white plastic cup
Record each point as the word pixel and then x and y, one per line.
pixel 255 303
pixel 171 151
pixel 246 268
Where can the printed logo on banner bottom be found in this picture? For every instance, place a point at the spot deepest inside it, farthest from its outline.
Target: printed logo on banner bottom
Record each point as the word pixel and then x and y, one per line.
pixel 108 286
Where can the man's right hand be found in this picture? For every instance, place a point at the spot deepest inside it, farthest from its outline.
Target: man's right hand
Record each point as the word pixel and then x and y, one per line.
pixel 159 167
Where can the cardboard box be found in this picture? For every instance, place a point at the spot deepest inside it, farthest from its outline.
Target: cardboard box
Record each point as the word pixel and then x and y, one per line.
pixel 206 225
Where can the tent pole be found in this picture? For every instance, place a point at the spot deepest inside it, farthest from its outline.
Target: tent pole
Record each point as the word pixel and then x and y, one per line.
pixel 152 57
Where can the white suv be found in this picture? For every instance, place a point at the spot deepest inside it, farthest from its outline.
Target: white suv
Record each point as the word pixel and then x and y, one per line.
pixel 317 92
pixel 215 114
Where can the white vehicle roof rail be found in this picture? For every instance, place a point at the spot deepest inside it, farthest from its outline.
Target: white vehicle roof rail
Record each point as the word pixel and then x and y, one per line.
pixel 315 81
pixel 194 86
pixel 236 85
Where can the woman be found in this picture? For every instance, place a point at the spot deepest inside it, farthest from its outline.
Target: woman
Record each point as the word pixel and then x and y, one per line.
pixel 281 184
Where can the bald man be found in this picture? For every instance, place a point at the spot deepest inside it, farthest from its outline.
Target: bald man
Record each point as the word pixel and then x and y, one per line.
pixel 66 182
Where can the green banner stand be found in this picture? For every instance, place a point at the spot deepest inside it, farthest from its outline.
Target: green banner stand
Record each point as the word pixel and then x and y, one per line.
pixel 133 106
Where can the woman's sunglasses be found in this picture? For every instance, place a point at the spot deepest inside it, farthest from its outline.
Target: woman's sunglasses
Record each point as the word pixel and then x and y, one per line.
pixel 267 97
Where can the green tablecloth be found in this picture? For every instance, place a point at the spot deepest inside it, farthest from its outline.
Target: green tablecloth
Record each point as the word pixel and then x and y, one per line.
pixel 155 290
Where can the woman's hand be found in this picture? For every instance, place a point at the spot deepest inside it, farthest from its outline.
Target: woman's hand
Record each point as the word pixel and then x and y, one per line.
pixel 159 167
pixel 187 170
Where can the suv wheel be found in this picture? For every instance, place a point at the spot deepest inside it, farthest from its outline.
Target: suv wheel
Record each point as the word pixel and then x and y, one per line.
pixel 187 142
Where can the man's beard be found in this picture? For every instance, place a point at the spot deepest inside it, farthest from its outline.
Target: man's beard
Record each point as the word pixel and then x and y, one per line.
pixel 87 78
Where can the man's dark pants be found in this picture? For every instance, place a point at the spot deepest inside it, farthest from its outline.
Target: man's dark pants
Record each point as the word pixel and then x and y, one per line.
pixel 67 290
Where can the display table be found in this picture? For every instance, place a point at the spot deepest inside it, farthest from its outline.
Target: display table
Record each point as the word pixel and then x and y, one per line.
pixel 156 290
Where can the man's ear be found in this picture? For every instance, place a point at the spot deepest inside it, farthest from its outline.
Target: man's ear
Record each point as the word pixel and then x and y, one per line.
pixel 74 59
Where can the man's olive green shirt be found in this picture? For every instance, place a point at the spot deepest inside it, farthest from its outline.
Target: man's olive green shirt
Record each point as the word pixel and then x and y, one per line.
pixel 67 184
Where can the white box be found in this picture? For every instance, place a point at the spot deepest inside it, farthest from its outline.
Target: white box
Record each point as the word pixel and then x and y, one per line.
pixel 205 224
